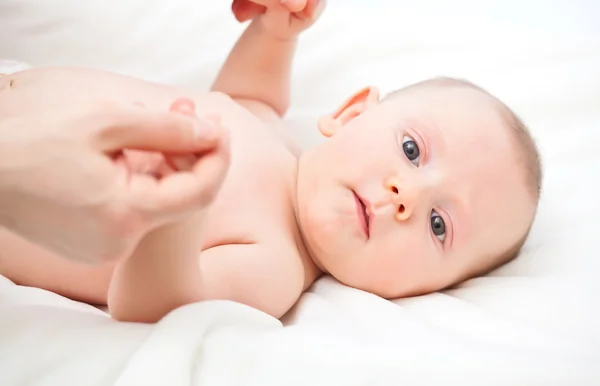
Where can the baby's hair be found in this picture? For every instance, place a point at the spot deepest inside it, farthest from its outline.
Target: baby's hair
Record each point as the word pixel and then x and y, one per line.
pixel 526 150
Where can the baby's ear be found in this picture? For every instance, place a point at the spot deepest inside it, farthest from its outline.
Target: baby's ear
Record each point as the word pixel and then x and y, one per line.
pixel 351 108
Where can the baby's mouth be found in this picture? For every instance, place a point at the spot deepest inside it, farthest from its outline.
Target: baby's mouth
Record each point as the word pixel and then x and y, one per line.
pixel 363 214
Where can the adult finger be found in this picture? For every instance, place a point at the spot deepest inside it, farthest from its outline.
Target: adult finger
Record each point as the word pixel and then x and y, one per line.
pixel 185 162
pixel 180 193
pixel 142 129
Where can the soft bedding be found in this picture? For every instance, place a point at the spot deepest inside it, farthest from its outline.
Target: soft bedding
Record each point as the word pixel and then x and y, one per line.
pixel 532 322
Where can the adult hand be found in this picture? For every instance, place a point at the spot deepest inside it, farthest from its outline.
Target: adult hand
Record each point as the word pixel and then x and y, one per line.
pixel 64 183
pixel 245 10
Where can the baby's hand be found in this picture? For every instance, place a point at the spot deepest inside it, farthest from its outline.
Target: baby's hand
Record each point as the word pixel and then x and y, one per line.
pixel 283 19
pixel 210 167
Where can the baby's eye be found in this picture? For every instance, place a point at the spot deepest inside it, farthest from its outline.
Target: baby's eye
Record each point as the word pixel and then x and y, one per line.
pixel 438 226
pixel 411 150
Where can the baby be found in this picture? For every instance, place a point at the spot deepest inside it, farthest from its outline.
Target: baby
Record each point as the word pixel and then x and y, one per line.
pixel 412 193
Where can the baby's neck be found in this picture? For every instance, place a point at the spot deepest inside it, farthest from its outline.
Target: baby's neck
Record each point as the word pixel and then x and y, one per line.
pixel 312 268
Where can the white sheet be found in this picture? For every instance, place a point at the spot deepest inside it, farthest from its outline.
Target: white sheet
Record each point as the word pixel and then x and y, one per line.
pixel 533 322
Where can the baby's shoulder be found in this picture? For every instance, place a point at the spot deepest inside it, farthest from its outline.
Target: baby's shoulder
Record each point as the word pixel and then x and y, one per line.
pixel 259 109
pixel 257 197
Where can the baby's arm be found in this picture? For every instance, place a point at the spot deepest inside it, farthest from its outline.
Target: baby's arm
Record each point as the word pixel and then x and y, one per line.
pixel 258 69
pixel 167 272
pixel 161 275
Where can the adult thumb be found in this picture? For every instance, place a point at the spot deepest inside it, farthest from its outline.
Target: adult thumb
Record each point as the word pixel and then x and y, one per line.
pixel 130 127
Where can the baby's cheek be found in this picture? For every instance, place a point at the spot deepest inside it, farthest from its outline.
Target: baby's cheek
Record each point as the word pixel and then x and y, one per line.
pixel 404 251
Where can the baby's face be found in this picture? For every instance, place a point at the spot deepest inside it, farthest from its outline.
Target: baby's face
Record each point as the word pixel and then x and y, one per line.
pixel 411 194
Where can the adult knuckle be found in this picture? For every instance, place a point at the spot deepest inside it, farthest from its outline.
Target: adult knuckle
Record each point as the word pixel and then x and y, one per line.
pixel 104 112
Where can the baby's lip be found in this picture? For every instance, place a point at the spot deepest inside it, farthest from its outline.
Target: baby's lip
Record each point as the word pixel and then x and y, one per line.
pixel 363 212
pixel 368 211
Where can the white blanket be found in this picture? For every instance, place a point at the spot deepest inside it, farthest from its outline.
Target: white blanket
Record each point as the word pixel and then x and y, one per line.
pixel 532 322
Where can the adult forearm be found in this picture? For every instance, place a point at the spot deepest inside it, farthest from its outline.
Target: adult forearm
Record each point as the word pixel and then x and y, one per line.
pixel 259 68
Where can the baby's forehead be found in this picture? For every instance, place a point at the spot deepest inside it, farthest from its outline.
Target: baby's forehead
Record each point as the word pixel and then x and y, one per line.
pixel 458 116
pixel 433 98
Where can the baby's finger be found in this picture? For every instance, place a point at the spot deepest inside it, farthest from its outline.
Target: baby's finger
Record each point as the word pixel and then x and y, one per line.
pixel 245 10
pixel 181 162
pixel 311 6
pixel 290 5
pixel 294 5
pixel 143 162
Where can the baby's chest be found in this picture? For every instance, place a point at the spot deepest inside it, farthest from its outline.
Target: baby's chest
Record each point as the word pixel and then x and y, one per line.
pixel 255 203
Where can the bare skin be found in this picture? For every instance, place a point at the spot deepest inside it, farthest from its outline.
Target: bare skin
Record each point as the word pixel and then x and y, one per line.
pixel 249 214
pixel 282 217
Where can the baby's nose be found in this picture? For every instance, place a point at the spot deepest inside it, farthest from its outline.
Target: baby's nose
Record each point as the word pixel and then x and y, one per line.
pixel 404 197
